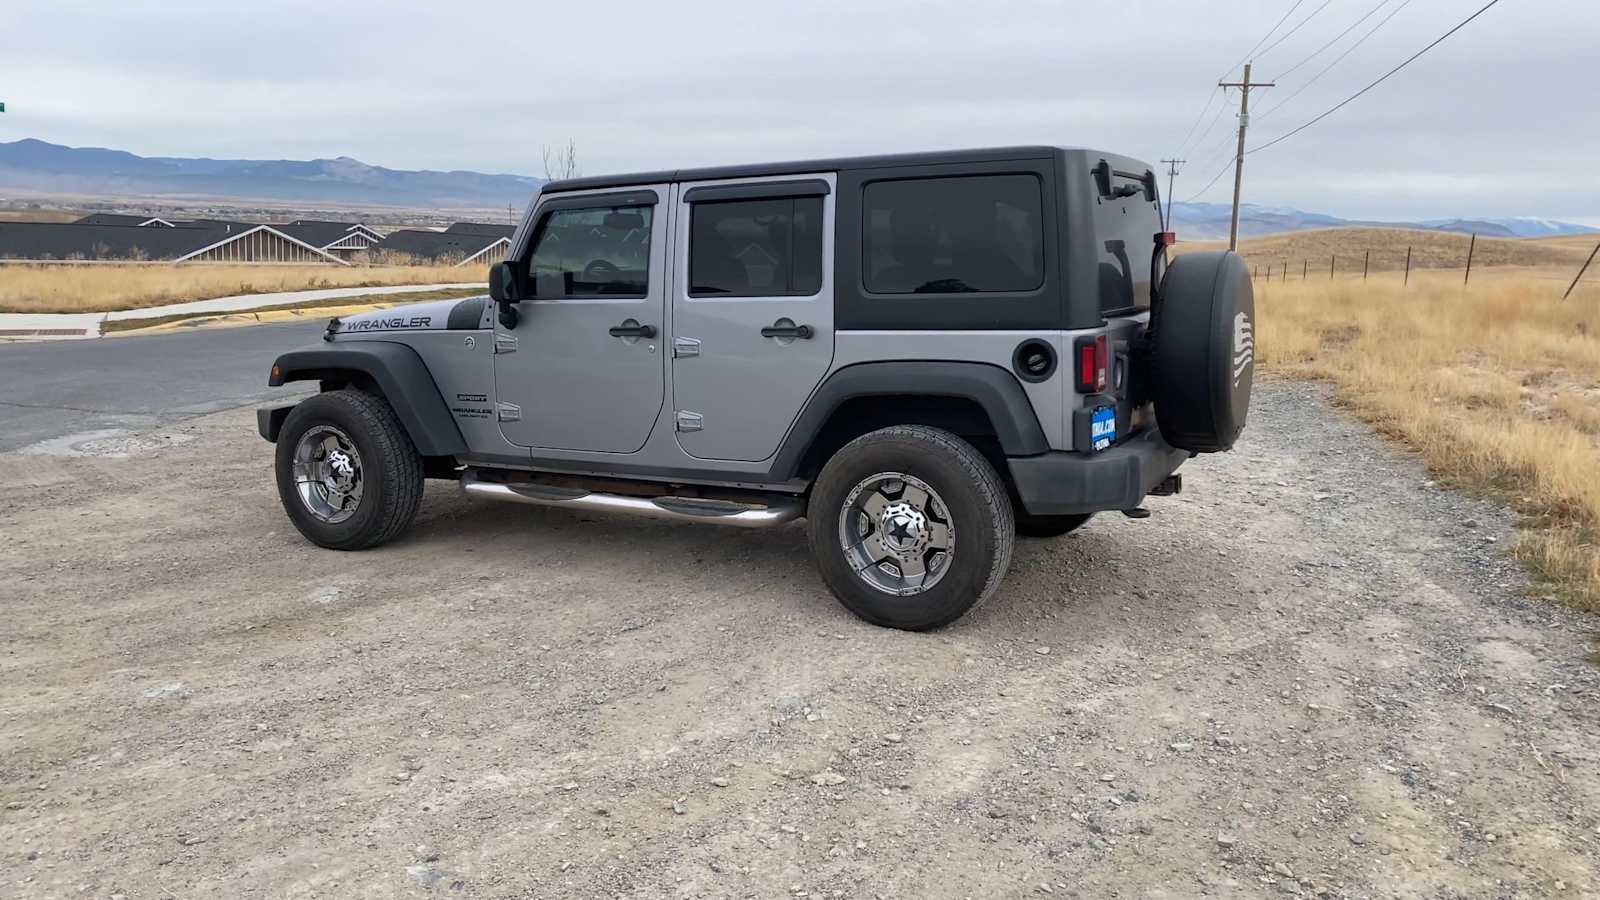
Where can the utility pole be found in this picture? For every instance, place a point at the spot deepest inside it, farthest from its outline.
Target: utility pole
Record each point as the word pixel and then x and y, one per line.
pixel 1238 160
pixel 1172 173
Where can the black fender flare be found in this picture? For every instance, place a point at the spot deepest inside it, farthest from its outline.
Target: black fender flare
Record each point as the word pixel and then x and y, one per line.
pixel 398 372
pixel 993 388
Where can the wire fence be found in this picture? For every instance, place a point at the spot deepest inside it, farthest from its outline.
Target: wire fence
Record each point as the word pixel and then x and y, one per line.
pixel 1391 262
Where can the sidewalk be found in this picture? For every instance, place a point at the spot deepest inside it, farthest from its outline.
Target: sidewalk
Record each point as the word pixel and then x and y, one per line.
pixel 87 325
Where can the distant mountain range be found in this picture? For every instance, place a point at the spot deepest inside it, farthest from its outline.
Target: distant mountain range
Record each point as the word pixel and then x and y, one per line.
pixel 1208 221
pixel 42 167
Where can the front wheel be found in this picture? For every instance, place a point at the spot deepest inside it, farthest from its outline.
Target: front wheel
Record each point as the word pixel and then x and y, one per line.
pixel 910 527
pixel 348 475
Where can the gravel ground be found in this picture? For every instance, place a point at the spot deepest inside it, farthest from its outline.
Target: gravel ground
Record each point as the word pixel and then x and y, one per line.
pixel 1314 673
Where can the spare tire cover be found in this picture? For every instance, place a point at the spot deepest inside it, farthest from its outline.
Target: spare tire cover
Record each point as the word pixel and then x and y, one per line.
pixel 1204 351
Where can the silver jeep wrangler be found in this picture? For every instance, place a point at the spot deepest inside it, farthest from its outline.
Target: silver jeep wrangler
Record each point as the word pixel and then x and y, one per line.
pixel 924 355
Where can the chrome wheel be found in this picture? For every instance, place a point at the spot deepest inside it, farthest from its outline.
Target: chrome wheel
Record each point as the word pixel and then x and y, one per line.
pixel 896 533
pixel 327 473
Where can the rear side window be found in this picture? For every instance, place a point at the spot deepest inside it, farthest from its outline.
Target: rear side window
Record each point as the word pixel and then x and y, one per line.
pixel 592 252
pixel 756 248
pixel 954 235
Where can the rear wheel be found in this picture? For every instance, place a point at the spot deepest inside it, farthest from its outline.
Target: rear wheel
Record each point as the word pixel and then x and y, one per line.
pixel 348 475
pixel 910 527
pixel 1049 526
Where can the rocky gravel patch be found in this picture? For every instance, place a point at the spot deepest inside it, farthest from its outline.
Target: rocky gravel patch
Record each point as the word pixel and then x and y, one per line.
pixel 1315 673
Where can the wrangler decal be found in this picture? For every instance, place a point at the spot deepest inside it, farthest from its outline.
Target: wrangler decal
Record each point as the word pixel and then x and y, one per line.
pixel 384 324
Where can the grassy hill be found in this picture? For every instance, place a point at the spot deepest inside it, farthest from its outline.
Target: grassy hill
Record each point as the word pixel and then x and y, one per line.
pixel 1348 247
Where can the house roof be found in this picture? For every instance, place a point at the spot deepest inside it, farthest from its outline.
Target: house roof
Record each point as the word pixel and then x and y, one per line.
pixel 435 244
pixel 70 240
pixel 120 219
pixel 65 240
pixel 483 228
pixel 319 234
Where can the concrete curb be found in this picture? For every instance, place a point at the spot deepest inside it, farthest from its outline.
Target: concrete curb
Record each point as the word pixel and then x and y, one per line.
pixel 264 317
pixel 70 326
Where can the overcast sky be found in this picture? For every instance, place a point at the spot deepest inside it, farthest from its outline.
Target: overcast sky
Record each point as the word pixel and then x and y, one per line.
pixel 1499 120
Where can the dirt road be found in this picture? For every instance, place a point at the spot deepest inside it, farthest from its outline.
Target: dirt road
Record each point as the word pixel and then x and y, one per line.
pixel 1314 673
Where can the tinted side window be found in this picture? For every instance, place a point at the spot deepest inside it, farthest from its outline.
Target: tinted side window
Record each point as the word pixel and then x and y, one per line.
pixel 592 252
pixel 756 248
pixel 953 235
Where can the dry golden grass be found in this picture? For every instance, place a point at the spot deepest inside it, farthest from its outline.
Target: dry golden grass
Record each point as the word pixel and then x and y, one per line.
pixel 1346 248
pixel 1496 385
pixel 99 288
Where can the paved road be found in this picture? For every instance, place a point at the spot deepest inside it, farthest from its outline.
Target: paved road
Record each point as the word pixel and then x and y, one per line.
pixel 60 388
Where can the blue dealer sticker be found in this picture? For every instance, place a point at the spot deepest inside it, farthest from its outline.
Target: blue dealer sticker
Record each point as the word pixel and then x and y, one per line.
pixel 1103 427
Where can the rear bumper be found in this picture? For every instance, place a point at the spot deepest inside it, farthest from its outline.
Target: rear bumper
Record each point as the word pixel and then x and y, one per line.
pixel 1063 483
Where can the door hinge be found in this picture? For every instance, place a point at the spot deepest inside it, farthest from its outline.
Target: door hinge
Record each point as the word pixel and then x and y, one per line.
pixel 508 412
pixel 505 343
pixel 690 421
pixel 685 346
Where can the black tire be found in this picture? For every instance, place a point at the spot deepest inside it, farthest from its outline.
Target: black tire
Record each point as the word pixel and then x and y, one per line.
pixel 391 470
pixel 1049 526
pixel 977 505
pixel 1203 358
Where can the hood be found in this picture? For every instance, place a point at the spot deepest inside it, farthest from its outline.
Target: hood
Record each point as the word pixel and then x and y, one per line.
pixel 432 315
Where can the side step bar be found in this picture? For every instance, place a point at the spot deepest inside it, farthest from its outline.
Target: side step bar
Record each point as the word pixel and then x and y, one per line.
pixel 777 509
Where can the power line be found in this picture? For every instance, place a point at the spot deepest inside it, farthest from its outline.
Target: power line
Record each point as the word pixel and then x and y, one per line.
pixel 1210 97
pixel 1290 33
pixel 1249 55
pixel 1210 128
pixel 1214 179
pixel 1216 90
pixel 1318 52
pixel 1338 59
pixel 1385 77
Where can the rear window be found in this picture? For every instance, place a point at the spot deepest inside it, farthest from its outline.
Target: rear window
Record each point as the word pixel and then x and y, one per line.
pixel 974 234
pixel 756 248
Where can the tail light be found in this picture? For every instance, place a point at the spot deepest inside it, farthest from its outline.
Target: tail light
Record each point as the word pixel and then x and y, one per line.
pixel 1092 354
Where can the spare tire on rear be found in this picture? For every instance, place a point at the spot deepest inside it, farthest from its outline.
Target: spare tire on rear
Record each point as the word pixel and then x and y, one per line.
pixel 1203 354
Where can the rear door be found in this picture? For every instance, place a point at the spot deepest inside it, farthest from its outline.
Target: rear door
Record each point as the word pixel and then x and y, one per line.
pixel 752 305
pixel 582 370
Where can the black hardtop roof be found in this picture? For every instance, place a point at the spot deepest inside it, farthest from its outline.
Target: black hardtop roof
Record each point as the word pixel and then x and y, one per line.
pixel 799 167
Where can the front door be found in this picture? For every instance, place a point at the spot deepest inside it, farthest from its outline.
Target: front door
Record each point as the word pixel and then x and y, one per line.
pixel 752 306
pixel 583 368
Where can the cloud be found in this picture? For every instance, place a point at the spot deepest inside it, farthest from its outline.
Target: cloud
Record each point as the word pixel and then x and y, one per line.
pixel 1495 121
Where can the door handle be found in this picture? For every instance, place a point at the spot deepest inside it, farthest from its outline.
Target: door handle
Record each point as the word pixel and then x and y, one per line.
pixel 803 332
pixel 633 331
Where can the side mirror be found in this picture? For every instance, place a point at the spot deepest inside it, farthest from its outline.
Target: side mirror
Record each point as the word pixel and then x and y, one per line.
pixel 505 290
pixel 503 286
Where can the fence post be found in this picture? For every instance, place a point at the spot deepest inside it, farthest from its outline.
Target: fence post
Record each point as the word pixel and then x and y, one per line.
pixel 1286 271
pixel 1305 266
pixel 1585 268
pixel 1470 247
pixel 1332 260
pixel 1408 268
pixel 1365 265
